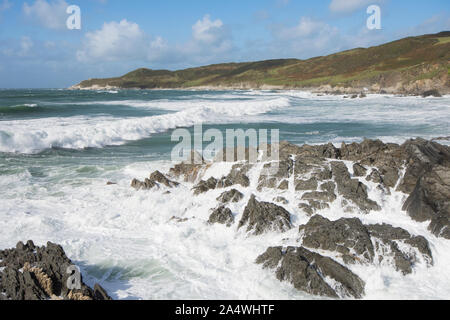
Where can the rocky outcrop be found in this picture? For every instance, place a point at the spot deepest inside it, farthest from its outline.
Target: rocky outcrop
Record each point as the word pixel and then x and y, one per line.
pixel 29 272
pixel 230 196
pixel 312 272
pixel 427 179
pixel 352 189
pixel 261 217
pixel 355 242
pixel 221 215
pixel 156 180
pixel 236 177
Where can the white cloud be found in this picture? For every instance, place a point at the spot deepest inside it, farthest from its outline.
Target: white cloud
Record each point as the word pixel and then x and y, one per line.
pixel 51 15
pixel 207 31
pixel 115 41
pixel 126 41
pixel 347 6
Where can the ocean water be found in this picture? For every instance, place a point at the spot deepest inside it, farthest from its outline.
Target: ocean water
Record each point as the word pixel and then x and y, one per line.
pixel 59 148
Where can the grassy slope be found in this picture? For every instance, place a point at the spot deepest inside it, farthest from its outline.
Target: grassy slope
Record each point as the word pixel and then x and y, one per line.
pixel 406 60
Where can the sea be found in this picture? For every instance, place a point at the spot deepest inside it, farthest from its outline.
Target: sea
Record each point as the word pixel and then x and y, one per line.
pixel 59 149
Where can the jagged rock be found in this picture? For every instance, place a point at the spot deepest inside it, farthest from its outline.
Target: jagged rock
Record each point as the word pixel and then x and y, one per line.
pixel 349 237
pixel 230 196
pixel 178 219
pixel 359 170
pixel 355 241
pixel 352 189
pixel 156 179
pixel 281 200
pixel 236 176
pixel 39 273
pixel 205 186
pixel 311 272
pixel 277 180
pixel 306 208
pixel 430 198
pixel 284 185
pixel 431 93
pixel 222 215
pixel 329 187
pixel 319 196
pixel 375 177
pixel 261 217
pixel 302 185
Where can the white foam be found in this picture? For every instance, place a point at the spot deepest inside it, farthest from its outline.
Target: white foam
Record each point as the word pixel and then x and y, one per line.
pixel 28 136
pixel 135 251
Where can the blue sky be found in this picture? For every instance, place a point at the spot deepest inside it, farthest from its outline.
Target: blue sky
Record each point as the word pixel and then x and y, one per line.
pixel 38 51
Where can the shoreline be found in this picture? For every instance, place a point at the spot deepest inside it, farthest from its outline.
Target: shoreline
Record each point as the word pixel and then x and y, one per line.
pixel 313 90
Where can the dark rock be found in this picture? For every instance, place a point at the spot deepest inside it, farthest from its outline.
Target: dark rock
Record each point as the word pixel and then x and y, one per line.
pixel 375 177
pixel 359 170
pixel 264 216
pixel 306 208
pixel 432 93
pixel 329 187
pixel 319 196
pixel 222 215
pixel 281 200
pixel 39 273
pixel 230 196
pixel 100 293
pixel 358 243
pixel 156 180
pixel 302 185
pixel 427 180
pixel 349 237
pixel 352 189
pixel 309 272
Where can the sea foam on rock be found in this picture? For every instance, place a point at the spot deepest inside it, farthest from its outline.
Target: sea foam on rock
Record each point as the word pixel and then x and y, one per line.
pixel 321 178
pixel 30 272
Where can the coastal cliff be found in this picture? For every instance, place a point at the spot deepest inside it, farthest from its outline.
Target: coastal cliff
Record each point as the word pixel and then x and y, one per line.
pixel 411 65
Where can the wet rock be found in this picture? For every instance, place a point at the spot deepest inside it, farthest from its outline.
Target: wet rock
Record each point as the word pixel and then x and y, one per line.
pixel 162 179
pixel 319 196
pixel 375 177
pixel 311 272
pixel 222 215
pixel 277 180
pixel 261 217
pixel 230 196
pixel 284 185
pixel 306 208
pixel 303 185
pixel 359 243
pixel 281 200
pixel 178 219
pixel 39 273
pixel 329 187
pixel 349 237
pixel 156 180
pixel 359 170
pixel 431 93
pixel 352 189
pixel 205 186
pixel 429 172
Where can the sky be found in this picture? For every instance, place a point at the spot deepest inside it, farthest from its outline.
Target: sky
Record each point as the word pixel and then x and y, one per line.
pixel 37 50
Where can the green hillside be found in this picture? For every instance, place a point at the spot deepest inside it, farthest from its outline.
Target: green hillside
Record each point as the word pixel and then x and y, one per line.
pixel 407 65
